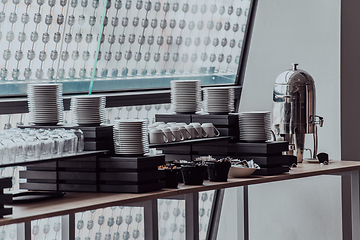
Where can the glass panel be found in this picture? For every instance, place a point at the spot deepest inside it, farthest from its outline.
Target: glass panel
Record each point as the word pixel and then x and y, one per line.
pixel 46 228
pixel 145 43
pixel 171 219
pixel 172 216
pixel 8 232
pixel 205 205
pixel 112 223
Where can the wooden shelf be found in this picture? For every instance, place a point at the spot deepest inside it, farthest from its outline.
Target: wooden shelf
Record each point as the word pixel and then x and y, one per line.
pixel 78 202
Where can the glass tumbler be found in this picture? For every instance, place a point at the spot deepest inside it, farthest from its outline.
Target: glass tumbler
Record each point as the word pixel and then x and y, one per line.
pixel 59 143
pixel 32 148
pixel 47 147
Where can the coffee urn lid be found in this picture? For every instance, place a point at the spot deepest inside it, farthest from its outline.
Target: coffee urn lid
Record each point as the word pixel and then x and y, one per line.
pixel 294 77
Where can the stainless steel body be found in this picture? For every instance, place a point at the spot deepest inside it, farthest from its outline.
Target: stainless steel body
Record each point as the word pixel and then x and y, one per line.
pixel 294 108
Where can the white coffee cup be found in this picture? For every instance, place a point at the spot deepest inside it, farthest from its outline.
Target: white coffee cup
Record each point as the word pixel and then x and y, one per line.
pixel 155 124
pixel 193 133
pixel 186 134
pixel 201 133
pixel 163 125
pixel 169 134
pixel 177 133
pixel 210 130
pixel 157 136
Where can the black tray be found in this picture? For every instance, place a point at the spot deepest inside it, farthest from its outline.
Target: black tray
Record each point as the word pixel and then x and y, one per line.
pixel 138 188
pixel 39 186
pixel 266 161
pixel 5 199
pixel 35 196
pixel 143 162
pixel 32 174
pixel 5 183
pixel 5 211
pixel 131 176
pixel 72 187
pixel 265 148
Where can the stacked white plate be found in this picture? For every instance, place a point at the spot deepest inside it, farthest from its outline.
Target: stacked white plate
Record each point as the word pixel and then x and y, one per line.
pixel 219 100
pixel 255 126
pixel 45 103
pixel 186 96
pixel 131 137
pixel 88 109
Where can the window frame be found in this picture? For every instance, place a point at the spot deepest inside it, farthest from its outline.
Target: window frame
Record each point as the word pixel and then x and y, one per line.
pixel 118 98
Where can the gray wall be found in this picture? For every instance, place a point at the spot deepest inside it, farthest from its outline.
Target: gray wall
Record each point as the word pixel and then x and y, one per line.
pixel 306 32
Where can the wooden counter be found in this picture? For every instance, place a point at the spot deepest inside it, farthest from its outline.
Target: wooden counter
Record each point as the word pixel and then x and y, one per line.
pixel 77 202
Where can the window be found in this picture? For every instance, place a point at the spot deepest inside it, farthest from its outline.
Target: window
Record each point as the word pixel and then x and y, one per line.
pixel 143 45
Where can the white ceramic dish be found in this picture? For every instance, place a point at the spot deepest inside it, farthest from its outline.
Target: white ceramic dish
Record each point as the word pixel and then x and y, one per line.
pixel 237 172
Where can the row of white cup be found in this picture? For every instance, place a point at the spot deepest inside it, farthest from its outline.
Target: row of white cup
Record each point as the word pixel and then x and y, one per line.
pixel 160 132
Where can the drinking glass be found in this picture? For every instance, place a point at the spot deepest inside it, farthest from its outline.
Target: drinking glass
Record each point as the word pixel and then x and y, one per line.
pixel 32 148
pixel 58 145
pixel 20 148
pixel 47 147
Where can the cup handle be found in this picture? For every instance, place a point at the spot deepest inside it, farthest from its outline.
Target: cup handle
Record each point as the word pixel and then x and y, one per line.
pixel 173 137
pixel 217 132
pixel 204 133
pixel 188 133
pixel 197 134
pixel 166 138
pixel 181 136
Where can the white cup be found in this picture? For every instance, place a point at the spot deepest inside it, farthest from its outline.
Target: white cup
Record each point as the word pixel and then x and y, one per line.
pixel 169 135
pixel 201 133
pixel 177 133
pixel 193 133
pixel 210 130
pixel 157 136
pixel 163 125
pixel 155 124
pixel 186 134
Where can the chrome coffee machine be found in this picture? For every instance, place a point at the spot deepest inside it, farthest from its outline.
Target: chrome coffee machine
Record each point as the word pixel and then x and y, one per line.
pixel 294 110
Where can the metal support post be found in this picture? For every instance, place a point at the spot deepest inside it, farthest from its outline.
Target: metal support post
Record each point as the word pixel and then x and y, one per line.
pixel 68 227
pixel 192 216
pixel 350 205
pixel 24 231
pixel 151 220
pixel 215 215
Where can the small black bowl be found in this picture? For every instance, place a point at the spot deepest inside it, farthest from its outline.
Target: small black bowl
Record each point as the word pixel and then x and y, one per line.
pixel 171 177
pixel 193 174
pixel 218 171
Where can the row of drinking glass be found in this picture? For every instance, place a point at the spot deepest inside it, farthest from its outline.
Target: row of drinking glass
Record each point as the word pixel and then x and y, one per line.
pixel 19 145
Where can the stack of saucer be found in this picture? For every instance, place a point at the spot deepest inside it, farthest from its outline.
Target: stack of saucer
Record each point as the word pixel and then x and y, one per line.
pixel 45 103
pixel 186 96
pixel 131 137
pixel 88 109
pixel 255 126
pixel 219 100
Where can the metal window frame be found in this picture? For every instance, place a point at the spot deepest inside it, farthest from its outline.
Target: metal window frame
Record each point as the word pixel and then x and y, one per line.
pixel 16 105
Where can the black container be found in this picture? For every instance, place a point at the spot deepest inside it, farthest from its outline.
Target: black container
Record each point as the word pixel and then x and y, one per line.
pixel 218 171
pixel 193 174
pixel 171 177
